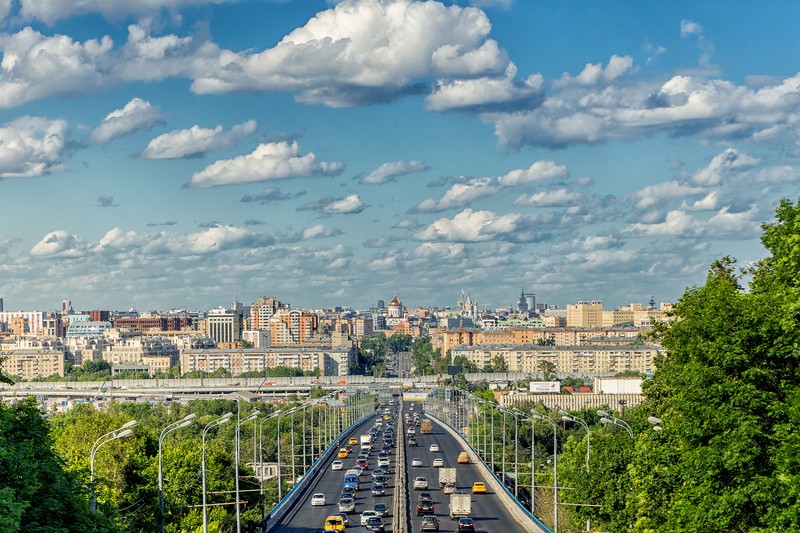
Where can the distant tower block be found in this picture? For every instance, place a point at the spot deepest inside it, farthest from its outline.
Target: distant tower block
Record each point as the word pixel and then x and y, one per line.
pixel 522 304
pixel 1 305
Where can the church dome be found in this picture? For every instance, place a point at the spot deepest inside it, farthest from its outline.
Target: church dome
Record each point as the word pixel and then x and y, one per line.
pixel 395 302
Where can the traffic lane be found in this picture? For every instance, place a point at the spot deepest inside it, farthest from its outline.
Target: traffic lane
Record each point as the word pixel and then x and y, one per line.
pixel 307 518
pixel 488 513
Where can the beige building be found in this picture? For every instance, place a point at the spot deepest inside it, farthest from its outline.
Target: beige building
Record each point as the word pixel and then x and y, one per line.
pixel 331 361
pixel 158 353
pixel 585 314
pixel 566 360
pixel 28 364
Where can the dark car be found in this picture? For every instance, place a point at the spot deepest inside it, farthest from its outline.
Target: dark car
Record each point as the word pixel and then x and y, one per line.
pixel 378 490
pixel 381 508
pixel 412 441
pixel 425 507
pixel 466 525
pixel 429 523
pixel 375 523
pixel 425 497
pixel 383 480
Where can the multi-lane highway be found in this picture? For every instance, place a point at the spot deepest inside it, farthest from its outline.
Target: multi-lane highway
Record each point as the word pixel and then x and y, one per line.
pixel 489 513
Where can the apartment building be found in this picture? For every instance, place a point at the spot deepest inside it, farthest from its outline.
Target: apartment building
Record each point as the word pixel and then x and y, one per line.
pixel 331 361
pixel 31 363
pixel 566 360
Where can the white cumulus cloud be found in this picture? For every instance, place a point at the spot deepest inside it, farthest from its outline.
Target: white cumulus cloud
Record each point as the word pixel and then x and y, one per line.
pixel 59 243
pixel 347 205
pixel 137 115
pixel 389 171
pixel 269 161
pixel 195 141
pixel 470 226
pixel 32 146
pixel 555 198
pixel 722 165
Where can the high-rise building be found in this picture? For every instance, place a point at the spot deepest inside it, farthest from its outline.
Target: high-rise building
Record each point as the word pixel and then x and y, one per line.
pixel 1 305
pixel 522 304
pixel 585 314
pixel 225 325
pixel 262 310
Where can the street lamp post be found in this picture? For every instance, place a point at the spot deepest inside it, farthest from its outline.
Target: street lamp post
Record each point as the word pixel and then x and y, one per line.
pixel 252 416
pixel 555 468
pixel 125 431
pixel 280 488
pixel 610 419
pixel 214 423
pixel 182 423
pixel 572 418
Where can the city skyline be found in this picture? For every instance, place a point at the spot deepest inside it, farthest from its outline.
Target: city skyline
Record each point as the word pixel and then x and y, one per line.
pixel 174 153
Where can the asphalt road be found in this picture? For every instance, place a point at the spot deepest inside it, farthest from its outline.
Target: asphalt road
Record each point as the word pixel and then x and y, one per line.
pixel 489 514
pixel 305 518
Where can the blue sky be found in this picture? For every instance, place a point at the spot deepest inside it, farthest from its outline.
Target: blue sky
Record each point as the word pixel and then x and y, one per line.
pixel 167 153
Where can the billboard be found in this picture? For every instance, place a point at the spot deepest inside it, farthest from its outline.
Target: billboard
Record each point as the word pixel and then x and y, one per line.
pixel 545 387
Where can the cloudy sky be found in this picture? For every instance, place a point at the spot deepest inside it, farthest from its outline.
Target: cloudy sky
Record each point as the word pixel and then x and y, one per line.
pixel 165 153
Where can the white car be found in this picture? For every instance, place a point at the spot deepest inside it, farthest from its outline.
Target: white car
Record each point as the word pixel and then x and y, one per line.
pixel 434 447
pixel 383 462
pixel 318 499
pixel 420 483
pixel 416 461
pixel 337 465
pixel 366 515
pixel 438 462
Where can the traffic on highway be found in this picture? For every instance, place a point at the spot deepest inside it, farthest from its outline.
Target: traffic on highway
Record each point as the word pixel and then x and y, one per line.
pixel 356 487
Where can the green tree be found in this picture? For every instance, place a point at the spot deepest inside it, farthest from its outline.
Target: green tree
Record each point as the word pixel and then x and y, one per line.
pixel 727 391
pixel 37 494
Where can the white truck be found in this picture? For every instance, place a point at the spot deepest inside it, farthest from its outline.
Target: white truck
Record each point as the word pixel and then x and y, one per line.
pixel 447 475
pixel 460 505
pixel 366 439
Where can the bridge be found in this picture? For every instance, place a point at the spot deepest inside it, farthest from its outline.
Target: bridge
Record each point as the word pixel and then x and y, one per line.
pixel 493 511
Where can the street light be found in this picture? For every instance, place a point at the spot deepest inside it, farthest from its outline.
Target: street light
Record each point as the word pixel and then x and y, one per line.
pixel 610 419
pixel 224 419
pixel 555 468
pixel 280 488
pixel 655 422
pixel 252 416
pixel 125 431
pixel 261 449
pixel 182 423
pixel 572 418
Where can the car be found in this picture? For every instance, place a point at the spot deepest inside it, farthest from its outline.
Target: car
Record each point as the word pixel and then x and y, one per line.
pixel 478 487
pixel 384 463
pixel 425 507
pixel 366 515
pixel 378 490
pixel 363 463
pixel 375 523
pixel 383 480
pixel 434 447
pixel 378 472
pixel 342 454
pixel 349 490
pixel 337 465
pixel 344 517
pixel 334 523
pixel 357 469
pixel 416 461
pixel 412 441
pixel 449 487
pixel 348 448
pixel 318 499
pixel 438 462
pixel 352 440
pixel 347 504
pixel 420 483
pixel 363 456
pixel 429 523
pixel 463 458
pixel 466 525
pixel 425 496
pixel 381 508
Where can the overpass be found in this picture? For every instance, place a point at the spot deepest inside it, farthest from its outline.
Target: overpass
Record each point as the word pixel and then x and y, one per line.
pixel 494 511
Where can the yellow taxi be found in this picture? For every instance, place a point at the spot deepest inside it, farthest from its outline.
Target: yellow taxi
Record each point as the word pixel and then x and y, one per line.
pixel 352 440
pixel 342 454
pixel 479 487
pixel 463 458
pixel 334 523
